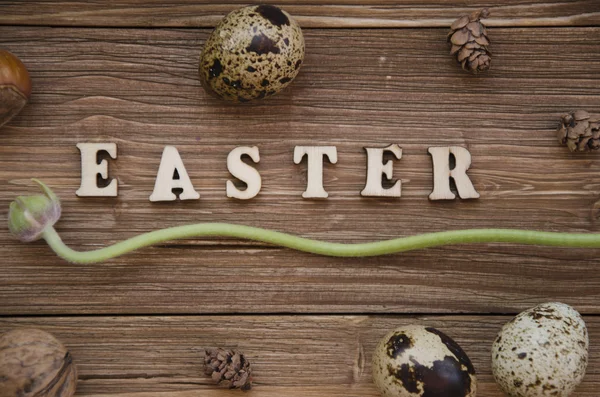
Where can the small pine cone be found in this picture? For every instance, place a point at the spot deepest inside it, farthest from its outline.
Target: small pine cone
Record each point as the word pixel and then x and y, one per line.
pixel 580 131
pixel 228 368
pixel 469 40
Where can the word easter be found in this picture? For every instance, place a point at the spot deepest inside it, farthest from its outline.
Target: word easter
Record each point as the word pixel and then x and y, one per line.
pixel 171 162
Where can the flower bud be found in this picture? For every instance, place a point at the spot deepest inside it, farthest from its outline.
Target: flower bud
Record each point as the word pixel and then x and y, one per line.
pixel 29 216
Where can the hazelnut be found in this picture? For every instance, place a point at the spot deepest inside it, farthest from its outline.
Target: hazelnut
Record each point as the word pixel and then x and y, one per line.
pixel 35 363
pixel 15 86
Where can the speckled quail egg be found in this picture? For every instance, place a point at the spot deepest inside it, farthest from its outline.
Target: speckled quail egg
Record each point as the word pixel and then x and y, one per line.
pixel 543 351
pixel 254 52
pixel 421 361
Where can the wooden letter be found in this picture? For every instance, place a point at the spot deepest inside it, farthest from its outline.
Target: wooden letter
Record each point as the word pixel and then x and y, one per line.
pixel 375 170
pixel 243 172
pixel 442 173
pixel 314 186
pixel 164 185
pixel 90 168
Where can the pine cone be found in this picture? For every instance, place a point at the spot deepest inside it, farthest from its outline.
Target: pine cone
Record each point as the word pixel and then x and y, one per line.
pixel 228 368
pixel 580 131
pixel 469 39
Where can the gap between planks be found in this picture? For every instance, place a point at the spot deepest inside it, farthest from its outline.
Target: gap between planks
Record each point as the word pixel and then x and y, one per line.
pixel 326 23
pixel 241 315
pixel 310 14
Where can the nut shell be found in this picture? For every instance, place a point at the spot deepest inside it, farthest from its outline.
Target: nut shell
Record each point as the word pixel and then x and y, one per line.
pixel 253 53
pixel 33 363
pixel 543 351
pixel 417 361
pixel 15 86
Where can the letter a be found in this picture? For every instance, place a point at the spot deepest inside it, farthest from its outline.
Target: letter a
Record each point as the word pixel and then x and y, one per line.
pixel 164 185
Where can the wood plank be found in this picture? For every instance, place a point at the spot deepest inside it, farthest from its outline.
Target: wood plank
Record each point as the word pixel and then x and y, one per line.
pixel 310 14
pixel 139 88
pixel 252 280
pixel 291 355
pixel 381 82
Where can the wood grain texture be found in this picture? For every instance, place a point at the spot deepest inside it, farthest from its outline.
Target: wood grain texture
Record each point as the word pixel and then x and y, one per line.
pixel 310 14
pixel 139 88
pixel 290 355
pixel 104 82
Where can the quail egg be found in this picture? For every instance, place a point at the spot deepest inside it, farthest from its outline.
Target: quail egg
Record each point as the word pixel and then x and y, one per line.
pixel 254 52
pixel 543 351
pixel 421 361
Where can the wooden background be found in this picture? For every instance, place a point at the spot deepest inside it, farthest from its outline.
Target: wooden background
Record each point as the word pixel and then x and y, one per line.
pixel 375 73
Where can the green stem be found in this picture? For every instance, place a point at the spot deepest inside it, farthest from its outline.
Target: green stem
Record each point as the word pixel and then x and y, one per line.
pixel 578 240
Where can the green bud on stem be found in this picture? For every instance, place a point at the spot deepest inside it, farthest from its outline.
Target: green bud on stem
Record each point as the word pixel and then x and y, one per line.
pixel 30 216
pixel 33 217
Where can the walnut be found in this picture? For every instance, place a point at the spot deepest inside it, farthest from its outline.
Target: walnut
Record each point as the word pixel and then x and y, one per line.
pixel 33 363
